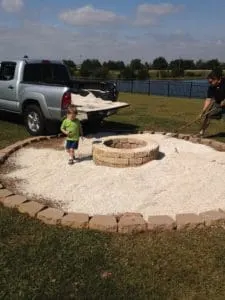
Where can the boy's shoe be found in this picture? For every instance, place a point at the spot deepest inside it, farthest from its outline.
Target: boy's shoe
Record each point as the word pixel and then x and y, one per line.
pixel 70 162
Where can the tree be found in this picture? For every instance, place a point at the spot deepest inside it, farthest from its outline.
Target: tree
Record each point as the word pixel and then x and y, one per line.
pixel 136 64
pixel 212 64
pixel 89 66
pixel 177 72
pixel 142 74
pixel 177 68
pixel 188 64
pixel 114 65
pixel 200 65
pixel 71 66
pixel 101 73
pixel 160 63
pixel 127 73
pixel 222 64
pixel 147 65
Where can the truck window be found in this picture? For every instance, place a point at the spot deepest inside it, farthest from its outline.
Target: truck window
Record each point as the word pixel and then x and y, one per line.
pixel 45 73
pixel 7 70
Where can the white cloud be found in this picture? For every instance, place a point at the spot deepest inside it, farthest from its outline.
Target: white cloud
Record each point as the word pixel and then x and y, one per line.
pixel 43 41
pixel 12 6
pixel 159 9
pixel 88 15
pixel 148 14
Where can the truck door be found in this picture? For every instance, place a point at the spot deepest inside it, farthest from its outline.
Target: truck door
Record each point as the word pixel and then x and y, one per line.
pixel 8 86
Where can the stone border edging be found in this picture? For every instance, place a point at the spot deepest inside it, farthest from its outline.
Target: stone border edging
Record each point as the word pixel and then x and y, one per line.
pixel 123 223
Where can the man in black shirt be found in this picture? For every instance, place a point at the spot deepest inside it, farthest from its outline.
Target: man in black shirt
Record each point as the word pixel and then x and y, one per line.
pixel 214 106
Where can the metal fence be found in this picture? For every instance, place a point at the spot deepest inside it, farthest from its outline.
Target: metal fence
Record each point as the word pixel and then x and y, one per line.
pixel 169 88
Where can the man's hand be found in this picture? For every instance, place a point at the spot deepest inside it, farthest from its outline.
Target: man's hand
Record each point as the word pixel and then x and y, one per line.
pixel 201 115
pixel 222 104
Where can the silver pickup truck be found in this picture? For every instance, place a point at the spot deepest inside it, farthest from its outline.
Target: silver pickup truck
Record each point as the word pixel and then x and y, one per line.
pixel 41 90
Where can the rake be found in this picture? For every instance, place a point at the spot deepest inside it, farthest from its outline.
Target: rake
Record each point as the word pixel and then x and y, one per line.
pixel 196 120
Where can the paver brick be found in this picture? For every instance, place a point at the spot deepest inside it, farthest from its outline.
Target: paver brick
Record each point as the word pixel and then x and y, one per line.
pixel 131 214
pixel 103 223
pixel 75 220
pixel 14 201
pixel 141 154
pixel 184 136
pixel 121 161
pixel 189 221
pixel 3 157
pixel 161 222
pixel 111 154
pixel 4 193
pixel 51 216
pixel 223 147
pixel 217 145
pixel 171 134
pixel 195 139
pixel 206 142
pixel 1 186
pixel 135 161
pixel 31 208
pixel 132 224
pixel 127 154
pixel 213 217
pixel 147 159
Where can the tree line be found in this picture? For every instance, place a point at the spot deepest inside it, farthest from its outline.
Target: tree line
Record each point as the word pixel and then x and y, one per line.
pixel 137 69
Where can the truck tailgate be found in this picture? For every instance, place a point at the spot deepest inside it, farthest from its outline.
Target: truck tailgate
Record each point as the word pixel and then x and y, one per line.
pixel 92 104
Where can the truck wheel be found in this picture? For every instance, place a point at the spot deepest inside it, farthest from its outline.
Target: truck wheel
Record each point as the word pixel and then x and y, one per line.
pixel 34 120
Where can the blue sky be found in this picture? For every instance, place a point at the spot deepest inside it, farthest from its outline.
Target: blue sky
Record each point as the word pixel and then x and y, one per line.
pixel 75 29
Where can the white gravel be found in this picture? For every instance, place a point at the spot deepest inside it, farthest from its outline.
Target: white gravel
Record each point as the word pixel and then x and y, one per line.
pixel 189 178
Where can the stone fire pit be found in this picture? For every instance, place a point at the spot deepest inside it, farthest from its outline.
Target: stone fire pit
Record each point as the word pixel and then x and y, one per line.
pixel 123 151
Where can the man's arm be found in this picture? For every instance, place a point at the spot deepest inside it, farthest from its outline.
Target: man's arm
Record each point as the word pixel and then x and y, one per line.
pixel 207 103
pixel 208 100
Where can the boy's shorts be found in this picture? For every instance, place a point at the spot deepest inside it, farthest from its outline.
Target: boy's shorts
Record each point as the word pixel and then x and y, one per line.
pixel 71 144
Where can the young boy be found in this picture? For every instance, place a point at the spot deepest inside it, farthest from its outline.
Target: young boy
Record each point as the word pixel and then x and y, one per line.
pixel 71 127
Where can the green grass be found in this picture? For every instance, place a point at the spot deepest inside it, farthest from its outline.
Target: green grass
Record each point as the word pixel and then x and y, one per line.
pixel 11 130
pixel 163 114
pixel 43 262
pixel 46 262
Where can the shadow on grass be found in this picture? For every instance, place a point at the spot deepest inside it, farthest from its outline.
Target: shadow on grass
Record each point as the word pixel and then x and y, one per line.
pixel 119 127
pixel 109 126
pixel 217 135
pixel 10 117
pixel 88 128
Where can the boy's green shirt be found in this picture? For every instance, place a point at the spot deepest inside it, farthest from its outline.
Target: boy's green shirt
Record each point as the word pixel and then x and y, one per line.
pixel 73 127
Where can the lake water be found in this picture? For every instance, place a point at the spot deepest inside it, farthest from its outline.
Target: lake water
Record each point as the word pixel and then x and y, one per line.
pixel 173 88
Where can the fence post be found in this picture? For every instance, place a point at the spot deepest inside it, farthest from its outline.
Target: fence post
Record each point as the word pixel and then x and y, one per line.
pixel 132 86
pixel 168 89
pixel 190 95
pixel 149 87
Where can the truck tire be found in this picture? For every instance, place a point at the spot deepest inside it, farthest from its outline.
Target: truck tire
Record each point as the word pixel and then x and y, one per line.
pixel 34 120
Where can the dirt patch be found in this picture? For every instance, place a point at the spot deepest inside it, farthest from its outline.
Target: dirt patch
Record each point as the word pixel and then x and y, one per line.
pixel 56 144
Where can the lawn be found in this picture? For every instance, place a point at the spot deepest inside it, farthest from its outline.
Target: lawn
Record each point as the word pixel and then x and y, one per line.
pixel 145 113
pixel 163 114
pixel 44 262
